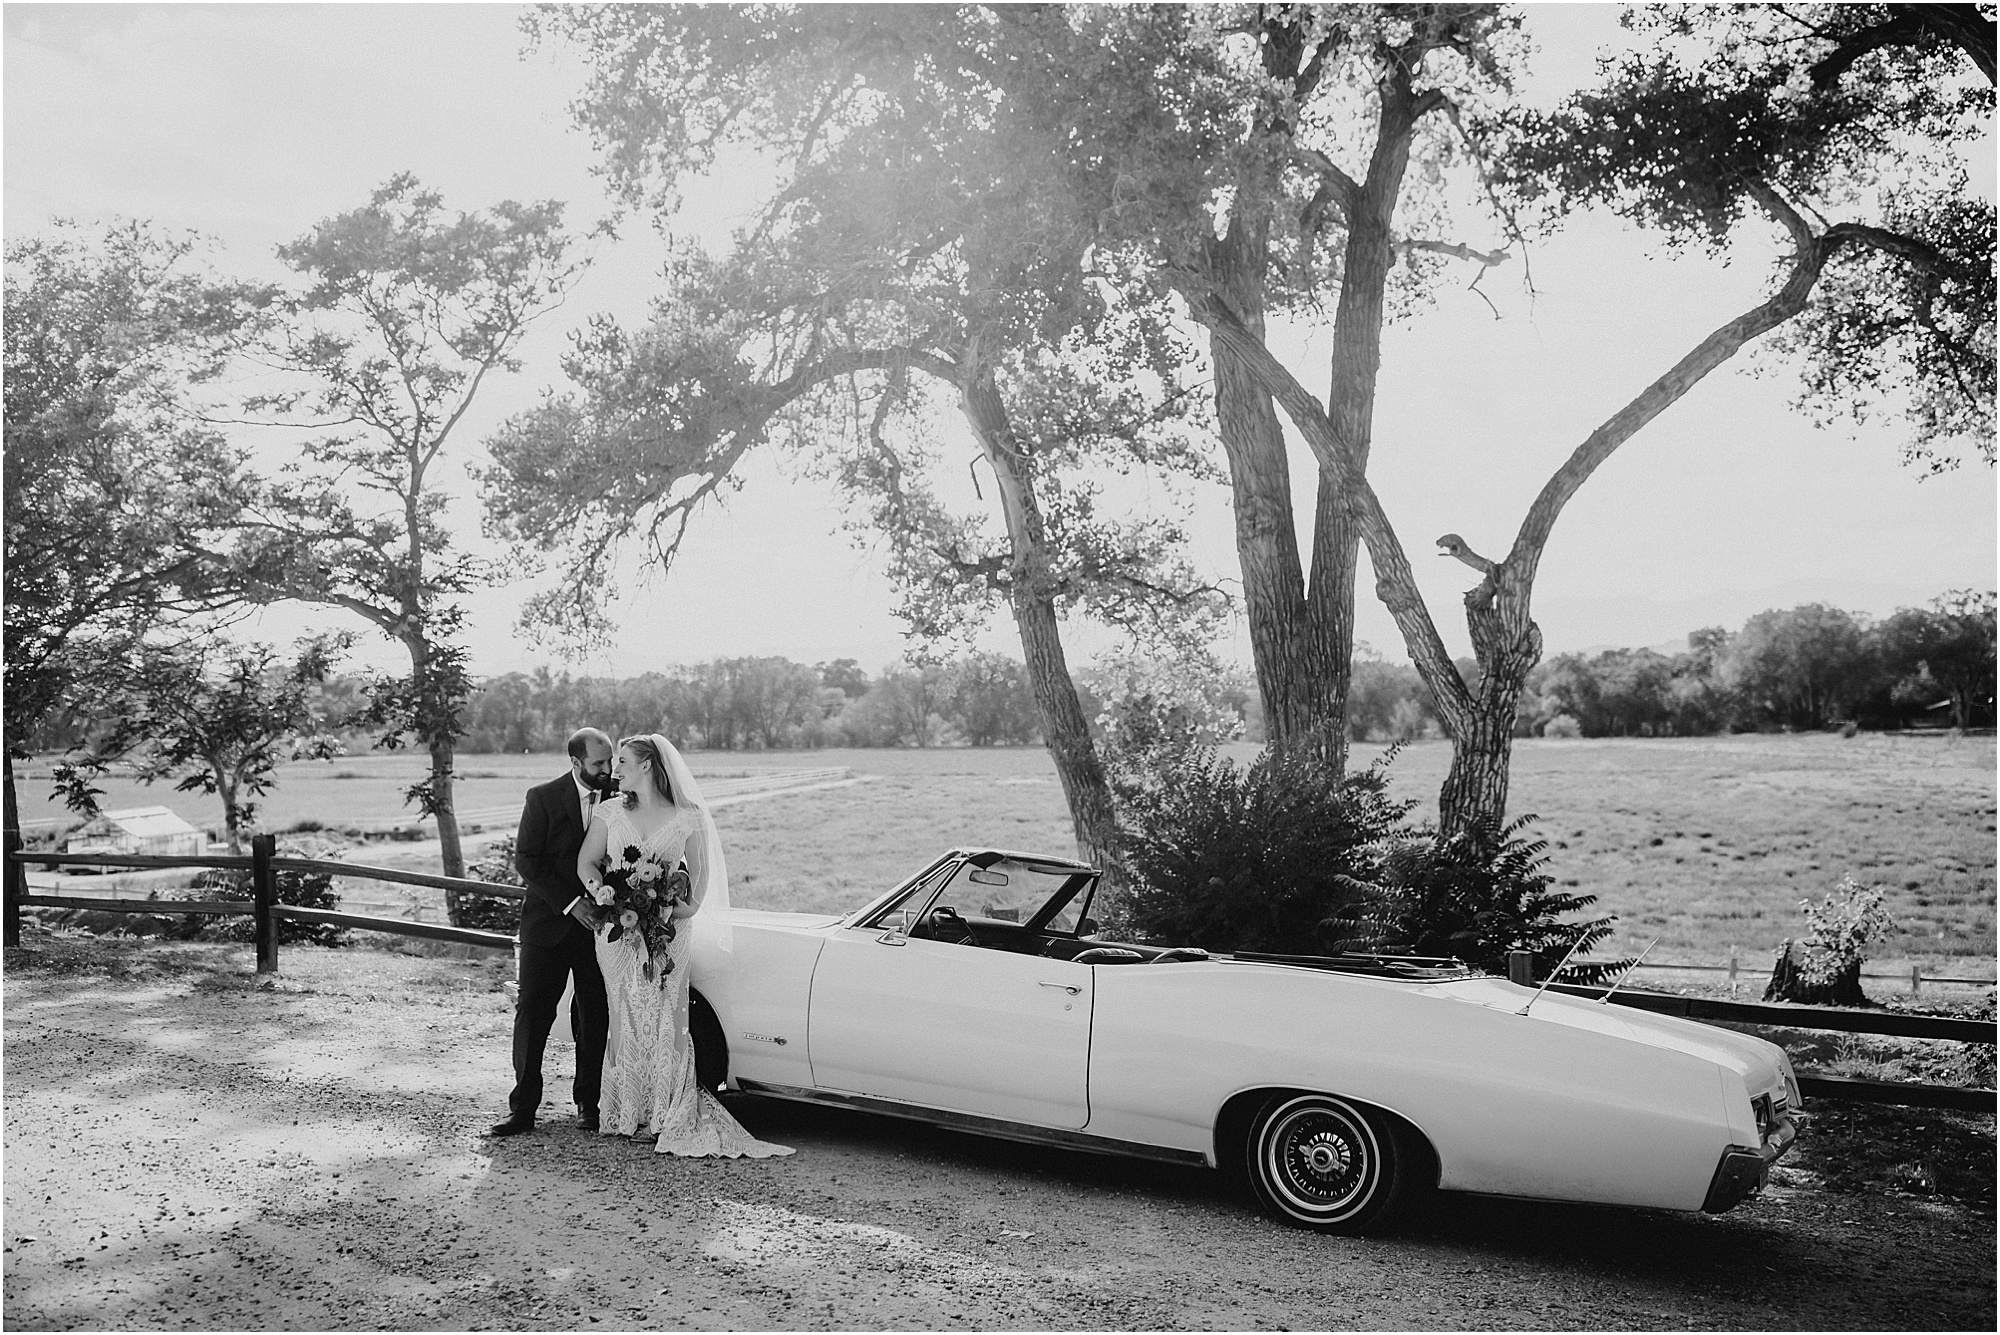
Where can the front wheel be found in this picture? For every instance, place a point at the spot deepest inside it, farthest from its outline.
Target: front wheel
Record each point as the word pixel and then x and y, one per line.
pixel 1318 1162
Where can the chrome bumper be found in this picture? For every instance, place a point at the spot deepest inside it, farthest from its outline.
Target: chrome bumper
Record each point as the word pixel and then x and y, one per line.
pixel 1742 1172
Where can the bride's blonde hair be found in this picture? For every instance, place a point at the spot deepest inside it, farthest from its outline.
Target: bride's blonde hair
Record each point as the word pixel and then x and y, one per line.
pixel 648 751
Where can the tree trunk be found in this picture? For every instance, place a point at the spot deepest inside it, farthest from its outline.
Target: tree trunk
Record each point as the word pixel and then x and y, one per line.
pixel 16 874
pixel 444 808
pixel 1302 671
pixel 1475 788
pixel 1085 785
pixel 232 815
pixel 1789 983
pixel 1355 366
pixel 440 804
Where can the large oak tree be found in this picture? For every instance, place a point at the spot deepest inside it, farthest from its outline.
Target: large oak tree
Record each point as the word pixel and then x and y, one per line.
pixel 917 249
pixel 1836 135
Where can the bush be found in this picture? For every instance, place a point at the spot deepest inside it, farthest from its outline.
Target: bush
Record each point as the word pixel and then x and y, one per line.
pixel 1474 896
pixel 1248 860
pixel 488 913
pixel 311 890
pixel 1839 928
pixel 1562 725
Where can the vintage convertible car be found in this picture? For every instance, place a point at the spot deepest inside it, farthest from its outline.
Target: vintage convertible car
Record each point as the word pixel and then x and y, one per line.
pixel 973 995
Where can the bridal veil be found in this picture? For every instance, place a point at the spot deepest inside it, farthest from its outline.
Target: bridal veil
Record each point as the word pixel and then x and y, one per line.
pixel 711 920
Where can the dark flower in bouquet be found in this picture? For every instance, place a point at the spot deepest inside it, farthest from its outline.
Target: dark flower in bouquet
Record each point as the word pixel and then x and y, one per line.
pixel 638 898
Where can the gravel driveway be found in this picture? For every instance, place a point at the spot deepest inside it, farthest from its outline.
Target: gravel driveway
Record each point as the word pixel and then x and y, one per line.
pixel 190 1147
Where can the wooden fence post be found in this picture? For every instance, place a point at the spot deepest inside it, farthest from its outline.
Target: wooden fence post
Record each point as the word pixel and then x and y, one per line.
pixel 1521 967
pixel 1916 979
pixel 1732 968
pixel 16 886
pixel 264 884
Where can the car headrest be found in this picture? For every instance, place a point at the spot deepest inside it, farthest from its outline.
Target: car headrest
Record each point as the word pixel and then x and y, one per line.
pixel 1107 955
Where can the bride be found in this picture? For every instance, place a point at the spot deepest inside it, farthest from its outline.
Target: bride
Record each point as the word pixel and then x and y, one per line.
pixel 649 1073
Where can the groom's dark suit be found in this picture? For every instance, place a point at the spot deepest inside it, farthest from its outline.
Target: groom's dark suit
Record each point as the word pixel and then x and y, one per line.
pixel 555 946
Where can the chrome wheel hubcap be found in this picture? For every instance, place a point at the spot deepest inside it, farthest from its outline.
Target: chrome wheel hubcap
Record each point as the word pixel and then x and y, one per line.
pixel 1327 1157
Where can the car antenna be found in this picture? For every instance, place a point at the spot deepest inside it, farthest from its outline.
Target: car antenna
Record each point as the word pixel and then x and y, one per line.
pixel 1628 971
pixel 1574 947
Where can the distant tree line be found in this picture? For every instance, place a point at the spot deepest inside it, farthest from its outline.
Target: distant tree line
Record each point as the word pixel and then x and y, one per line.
pixel 769 703
pixel 1812 666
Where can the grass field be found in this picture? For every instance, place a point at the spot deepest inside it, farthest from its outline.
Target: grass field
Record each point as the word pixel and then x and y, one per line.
pixel 1708 842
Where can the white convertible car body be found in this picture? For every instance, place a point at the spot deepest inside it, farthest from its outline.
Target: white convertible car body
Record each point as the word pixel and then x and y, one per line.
pixel 973 995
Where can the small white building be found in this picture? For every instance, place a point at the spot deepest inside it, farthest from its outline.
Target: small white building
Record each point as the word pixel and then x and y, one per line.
pixel 154 831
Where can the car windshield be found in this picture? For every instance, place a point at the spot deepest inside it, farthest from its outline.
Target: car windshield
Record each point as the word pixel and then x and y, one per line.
pixel 1006 891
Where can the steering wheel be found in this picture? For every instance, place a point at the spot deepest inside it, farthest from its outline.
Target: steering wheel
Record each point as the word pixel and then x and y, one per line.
pixel 945 925
pixel 1179 955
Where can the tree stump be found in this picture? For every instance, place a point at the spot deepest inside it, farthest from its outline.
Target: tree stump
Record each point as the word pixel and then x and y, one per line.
pixel 1789 983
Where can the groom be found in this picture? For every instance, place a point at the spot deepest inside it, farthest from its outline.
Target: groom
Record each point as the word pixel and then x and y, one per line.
pixel 556 939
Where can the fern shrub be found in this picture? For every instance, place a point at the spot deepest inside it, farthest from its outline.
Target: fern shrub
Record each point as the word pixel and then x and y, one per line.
pixel 1264 859
pixel 1474 896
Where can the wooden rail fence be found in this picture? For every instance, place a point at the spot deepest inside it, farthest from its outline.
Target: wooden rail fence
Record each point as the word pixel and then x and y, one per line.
pixel 1916 977
pixel 1785 1015
pixel 263 864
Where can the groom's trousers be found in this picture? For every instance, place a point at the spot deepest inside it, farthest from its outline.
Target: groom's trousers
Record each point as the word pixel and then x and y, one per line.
pixel 545 970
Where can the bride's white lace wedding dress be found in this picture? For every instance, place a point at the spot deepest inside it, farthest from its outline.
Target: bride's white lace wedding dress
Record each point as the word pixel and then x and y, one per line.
pixel 649 1079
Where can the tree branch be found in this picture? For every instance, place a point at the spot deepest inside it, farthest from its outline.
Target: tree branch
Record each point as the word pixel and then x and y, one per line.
pixel 1455 546
pixel 1346 190
pixel 1962 25
pixel 1657 397
pixel 1776 205
pixel 1395 581
pixel 1457 250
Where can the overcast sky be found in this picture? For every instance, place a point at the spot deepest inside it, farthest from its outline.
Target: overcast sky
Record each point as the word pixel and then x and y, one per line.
pixel 251 122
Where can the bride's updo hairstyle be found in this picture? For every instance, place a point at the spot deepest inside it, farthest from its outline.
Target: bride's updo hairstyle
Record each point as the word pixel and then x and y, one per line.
pixel 656 765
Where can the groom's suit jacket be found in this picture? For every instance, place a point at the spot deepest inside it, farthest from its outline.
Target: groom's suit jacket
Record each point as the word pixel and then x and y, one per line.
pixel 545 849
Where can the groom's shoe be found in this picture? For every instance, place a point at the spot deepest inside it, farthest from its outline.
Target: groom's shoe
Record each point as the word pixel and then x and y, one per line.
pixel 586 1119
pixel 513 1126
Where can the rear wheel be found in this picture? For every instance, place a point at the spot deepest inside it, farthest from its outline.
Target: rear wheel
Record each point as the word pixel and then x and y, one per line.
pixel 1322 1163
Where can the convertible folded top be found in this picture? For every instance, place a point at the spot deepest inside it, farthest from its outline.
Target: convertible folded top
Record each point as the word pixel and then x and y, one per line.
pixel 1408 968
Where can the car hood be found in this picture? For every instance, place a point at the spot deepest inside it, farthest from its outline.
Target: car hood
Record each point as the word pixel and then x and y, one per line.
pixel 1751 1058
pixel 798 922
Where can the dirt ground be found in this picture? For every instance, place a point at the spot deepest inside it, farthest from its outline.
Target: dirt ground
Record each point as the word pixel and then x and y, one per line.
pixel 188 1146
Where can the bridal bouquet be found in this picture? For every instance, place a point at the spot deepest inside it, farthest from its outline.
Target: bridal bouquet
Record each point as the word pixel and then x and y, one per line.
pixel 637 897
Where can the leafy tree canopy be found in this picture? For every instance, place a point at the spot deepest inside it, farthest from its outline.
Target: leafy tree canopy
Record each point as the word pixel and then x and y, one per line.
pixel 118 497
pixel 916 246
pixel 1853 116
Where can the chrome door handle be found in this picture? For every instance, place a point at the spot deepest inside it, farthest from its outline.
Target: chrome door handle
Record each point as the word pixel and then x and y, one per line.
pixel 1064 986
